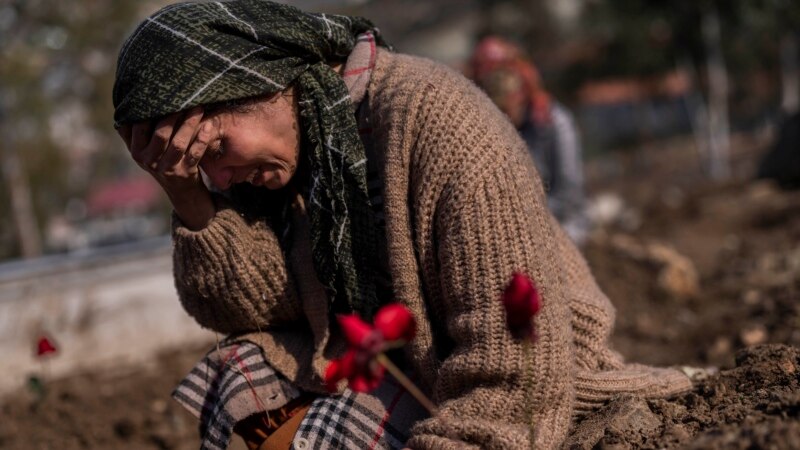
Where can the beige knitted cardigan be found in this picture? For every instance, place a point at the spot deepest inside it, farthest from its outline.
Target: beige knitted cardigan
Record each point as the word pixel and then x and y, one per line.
pixel 464 209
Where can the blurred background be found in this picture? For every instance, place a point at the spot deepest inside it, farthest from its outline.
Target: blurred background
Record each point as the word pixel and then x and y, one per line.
pixel 687 114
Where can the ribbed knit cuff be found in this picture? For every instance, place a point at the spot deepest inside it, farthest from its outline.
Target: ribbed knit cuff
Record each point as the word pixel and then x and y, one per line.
pixel 452 433
pixel 231 275
pixel 593 389
pixel 591 327
pixel 446 432
pixel 434 442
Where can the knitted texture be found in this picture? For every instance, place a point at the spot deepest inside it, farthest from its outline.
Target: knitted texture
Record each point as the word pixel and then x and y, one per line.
pixel 464 209
pixel 230 292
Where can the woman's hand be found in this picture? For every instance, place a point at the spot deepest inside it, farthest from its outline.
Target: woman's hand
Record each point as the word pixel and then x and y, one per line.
pixel 171 152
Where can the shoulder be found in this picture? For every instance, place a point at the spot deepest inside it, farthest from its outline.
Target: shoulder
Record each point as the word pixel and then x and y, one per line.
pixel 446 131
pixel 445 114
pixel 409 70
pixel 428 95
pixel 402 78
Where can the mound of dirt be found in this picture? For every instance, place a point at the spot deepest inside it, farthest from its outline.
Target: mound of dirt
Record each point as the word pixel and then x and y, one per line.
pixel 108 409
pixel 756 404
pixel 742 238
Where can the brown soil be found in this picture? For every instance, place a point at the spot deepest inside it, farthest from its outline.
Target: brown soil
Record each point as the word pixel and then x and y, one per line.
pixel 734 312
pixel 105 410
pixel 754 405
pixel 743 238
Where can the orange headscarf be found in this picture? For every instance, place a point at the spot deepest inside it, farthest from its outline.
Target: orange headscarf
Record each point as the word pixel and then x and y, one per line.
pixel 494 53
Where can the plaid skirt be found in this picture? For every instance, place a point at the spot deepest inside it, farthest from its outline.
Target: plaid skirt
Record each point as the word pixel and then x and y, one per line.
pixel 234 381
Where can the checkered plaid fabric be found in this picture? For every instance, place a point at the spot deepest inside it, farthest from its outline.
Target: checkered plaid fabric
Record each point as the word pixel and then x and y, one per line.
pixel 234 381
pixel 379 420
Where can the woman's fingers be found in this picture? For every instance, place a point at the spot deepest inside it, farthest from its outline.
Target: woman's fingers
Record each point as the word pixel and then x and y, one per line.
pixel 150 155
pixel 207 134
pixel 140 137
pixel 181 140
pixel 172 149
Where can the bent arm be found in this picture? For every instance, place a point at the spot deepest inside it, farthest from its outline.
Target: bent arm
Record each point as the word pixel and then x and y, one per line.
pixel 489 385
pixel 231 276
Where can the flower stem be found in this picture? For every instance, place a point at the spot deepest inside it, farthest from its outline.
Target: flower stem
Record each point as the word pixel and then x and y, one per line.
pixel 528 345
pixel 407 383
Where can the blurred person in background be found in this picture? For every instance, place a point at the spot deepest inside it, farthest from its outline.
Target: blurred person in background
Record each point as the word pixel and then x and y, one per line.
pixel 514 85
pixel 347 177
pixel 782 162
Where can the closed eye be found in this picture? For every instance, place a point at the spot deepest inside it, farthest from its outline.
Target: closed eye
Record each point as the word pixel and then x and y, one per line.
pixel 215 151
pixel 219 152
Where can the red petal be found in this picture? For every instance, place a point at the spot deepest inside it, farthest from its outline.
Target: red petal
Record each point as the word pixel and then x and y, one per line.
pixel 339 369
pixel 348 362
pixel 378 371
pixel 369 379
pixel 521 301
pixel 359 383
pixel 521 298
pixel 535 300
pixel 45 347
pixel 396 322
pixel 333 374
pixel 376 377
pixel 355 330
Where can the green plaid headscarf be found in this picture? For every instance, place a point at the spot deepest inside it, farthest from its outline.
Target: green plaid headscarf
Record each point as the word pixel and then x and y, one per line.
pixel 191 54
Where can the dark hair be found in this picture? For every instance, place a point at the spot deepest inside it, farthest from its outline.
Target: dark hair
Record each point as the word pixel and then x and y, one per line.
pixel 244 105
pixel 239 105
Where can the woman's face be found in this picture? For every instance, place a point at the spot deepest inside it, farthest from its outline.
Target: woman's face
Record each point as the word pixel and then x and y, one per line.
pixel 258 143
pixel 507 91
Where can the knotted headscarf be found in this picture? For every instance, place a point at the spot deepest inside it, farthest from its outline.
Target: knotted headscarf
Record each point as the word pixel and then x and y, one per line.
pixel 191 54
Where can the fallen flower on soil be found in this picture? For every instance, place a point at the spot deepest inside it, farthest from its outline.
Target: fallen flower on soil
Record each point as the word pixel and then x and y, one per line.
pixel 45 347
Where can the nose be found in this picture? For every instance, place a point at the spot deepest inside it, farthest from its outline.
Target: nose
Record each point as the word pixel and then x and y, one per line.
pixel 220 176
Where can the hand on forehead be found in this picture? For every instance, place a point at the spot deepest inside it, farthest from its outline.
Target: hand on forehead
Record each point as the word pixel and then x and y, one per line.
pixel 180 138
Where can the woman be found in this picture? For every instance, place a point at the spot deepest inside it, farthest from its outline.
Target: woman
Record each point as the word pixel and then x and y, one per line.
pixel 547 127
pixel 353 177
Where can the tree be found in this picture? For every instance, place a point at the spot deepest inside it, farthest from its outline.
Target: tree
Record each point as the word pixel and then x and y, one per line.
pixel 55 116
pixel 726 39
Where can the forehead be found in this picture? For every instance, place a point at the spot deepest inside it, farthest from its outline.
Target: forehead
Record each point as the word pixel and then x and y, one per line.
pixel 256 118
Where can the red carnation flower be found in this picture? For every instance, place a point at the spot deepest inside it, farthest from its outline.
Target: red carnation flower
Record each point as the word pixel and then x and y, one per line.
pixel 45 347
pixel 394 325
pixel 522 302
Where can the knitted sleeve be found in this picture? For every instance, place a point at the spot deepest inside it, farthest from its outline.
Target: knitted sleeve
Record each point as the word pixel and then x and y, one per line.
pixel 231 276
pixel 491 222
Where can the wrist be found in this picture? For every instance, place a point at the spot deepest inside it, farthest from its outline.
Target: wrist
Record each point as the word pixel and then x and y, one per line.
pixel 195 210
